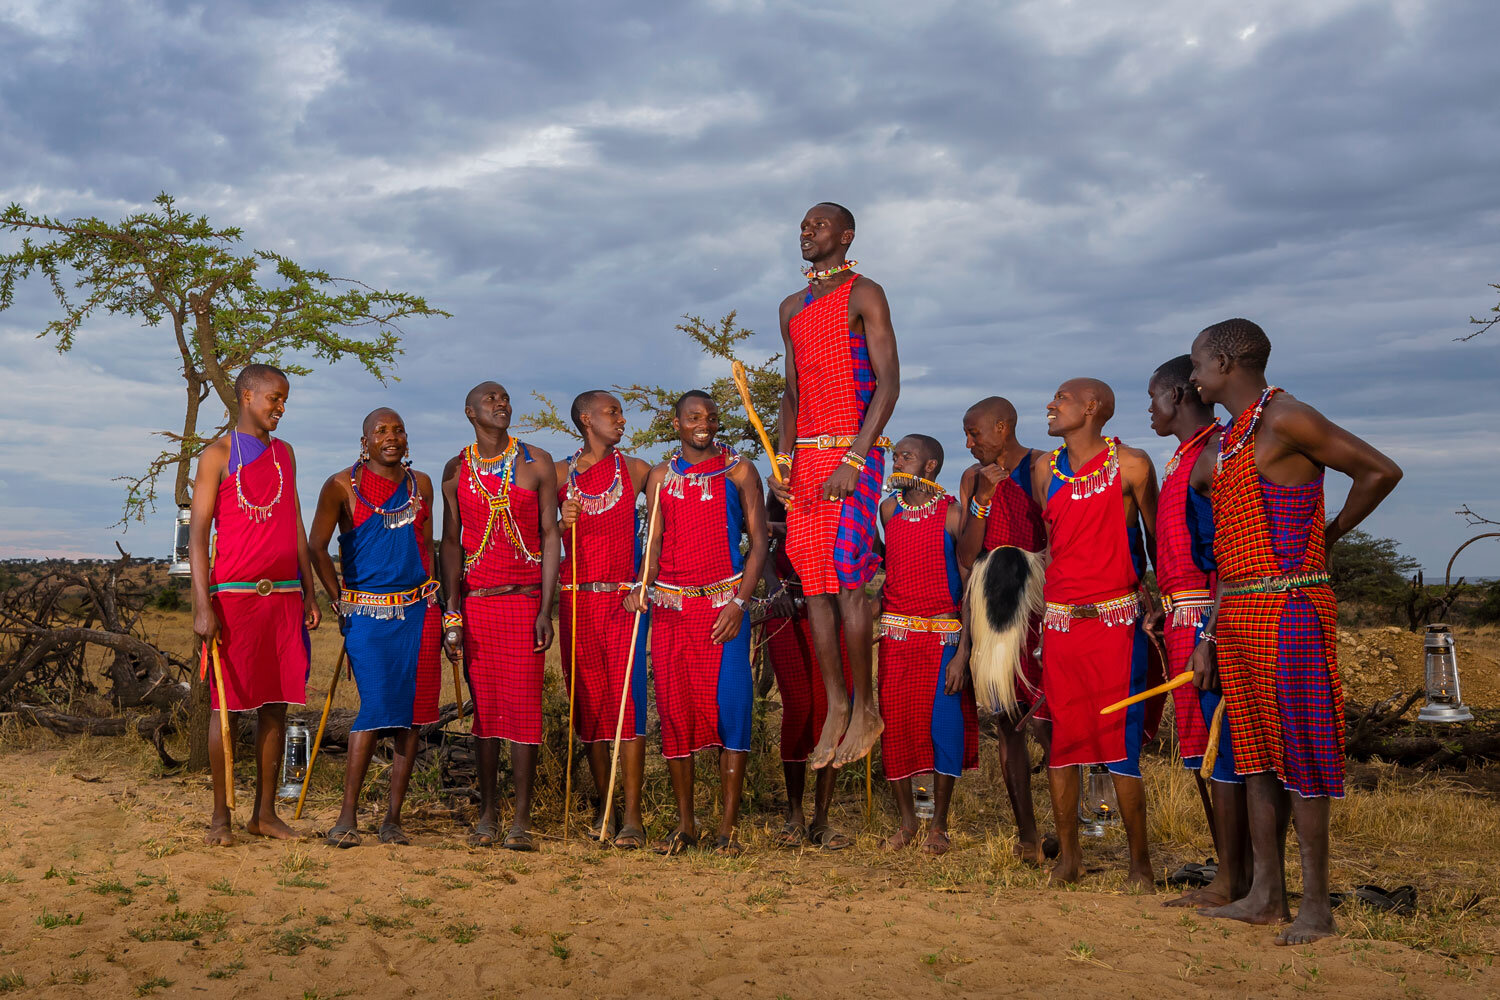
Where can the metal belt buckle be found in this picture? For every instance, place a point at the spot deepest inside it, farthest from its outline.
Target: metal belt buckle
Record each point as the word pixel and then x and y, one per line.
pixel 827 441
pixel 1278 584
pixel 1085 611
pixel 264 587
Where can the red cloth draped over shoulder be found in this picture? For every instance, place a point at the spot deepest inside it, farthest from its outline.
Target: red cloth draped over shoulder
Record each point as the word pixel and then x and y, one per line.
pixel 1176 573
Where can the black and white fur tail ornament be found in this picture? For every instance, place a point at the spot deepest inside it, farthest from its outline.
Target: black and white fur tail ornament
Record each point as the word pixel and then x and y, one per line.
pixel 1004 597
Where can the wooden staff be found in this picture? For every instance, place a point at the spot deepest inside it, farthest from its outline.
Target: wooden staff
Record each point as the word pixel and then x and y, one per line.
pixel 742 383
pixel 572 682
pixel 1211 752
pixel 226 735
pixel 635 631
pixel 458 692
pixel 869 785
pixel 1185 677
pixel 312 753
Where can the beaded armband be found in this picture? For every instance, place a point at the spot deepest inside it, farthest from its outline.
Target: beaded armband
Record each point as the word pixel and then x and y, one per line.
pixel 453 618
pixel 781 458
pixel 976 509
pixel 854 460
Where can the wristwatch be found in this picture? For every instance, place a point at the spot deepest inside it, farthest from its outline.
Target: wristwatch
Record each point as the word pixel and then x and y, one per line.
pixel 738 602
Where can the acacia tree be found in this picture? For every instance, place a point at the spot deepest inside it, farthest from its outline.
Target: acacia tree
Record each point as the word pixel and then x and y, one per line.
pixel 654 402
pixel 1484 324
pixel 225 308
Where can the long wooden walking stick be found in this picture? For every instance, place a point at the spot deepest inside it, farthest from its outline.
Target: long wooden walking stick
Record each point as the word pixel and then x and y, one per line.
pixel 635 632
pixel 572 682
pixel 1185 677
pixel 226 735
pixel 742 383
pixel 312 753
pixel 1211 752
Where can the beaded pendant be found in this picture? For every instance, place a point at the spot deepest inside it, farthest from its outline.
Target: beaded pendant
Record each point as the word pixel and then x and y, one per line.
pixel 703 480
pixel 1091 483
pixel 917 511
pixel 396 517
pixel 1260 404
pixel 1176 458
pixel 594 503
pixel 258 513
pixel 813 274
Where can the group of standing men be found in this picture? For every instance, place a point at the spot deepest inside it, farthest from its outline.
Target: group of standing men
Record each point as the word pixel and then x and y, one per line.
pixel 1235 530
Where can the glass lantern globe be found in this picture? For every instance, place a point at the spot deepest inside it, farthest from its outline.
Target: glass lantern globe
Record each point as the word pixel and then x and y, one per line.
pixel 1444 702
pixel 1098 809
pixel 179 565
pixel 294 760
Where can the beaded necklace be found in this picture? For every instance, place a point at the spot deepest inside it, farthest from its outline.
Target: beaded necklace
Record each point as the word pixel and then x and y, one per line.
pixel 259 513
pixel 395 517
pixel 1176 458
pixel 499 502
pixel 1249 431
pixel 1091 483
pixel 703 480
pixel 918 511
pixel 595 503
pixel 813 274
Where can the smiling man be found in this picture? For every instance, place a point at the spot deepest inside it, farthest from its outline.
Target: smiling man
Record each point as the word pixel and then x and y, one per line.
pixel 254 597
pixel 499 562
pixel 1098 500
pixel 842 380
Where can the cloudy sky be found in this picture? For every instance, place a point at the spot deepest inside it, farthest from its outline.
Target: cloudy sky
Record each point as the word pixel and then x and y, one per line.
pixel 1045 189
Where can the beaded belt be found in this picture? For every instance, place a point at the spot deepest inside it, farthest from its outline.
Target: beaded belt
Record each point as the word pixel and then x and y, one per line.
pixel 1187 607
pixel 262 588
pixel 385 606
pixel 665 595
pixel 505 589
pixel 598 588
pixel 1122 610
pixel 1273 584
pixel 898 627
pixel 837 441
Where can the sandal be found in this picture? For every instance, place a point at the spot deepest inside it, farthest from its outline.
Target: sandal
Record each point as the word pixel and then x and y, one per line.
pixel 937 843
pixel 1401 901
pixel 675 844
pixel 594 830
pixel 728 847
pixel 901 838
pixel 791 835
pixel 518 839
pixel 1194 876
pixel 342 837
pixel 828 838
pixel 630 838
pixel 391 833
pixel 484 834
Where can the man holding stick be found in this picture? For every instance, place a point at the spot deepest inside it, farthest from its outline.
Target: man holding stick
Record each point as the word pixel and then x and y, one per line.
pixel 500 553
pixel 597 490
pixel 386 605
pixel 1271 638
pixel 842 381
pixel 701 584
pixel 254 604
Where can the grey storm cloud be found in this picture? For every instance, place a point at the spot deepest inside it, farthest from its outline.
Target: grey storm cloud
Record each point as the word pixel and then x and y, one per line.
pixel 1044 189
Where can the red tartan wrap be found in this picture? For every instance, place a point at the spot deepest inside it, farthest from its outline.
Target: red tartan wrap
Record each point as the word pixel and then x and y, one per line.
pixel 1177 572
pixel 263 645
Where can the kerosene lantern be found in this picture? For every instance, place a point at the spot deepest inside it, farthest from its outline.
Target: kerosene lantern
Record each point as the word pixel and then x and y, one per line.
pixel 294 756
pixel 180 529
pixel 1444 704
pixel 1098 809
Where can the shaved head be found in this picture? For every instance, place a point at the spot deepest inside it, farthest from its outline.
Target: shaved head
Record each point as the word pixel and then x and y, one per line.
pixel 1099 392
pixel 253 376
pixel 994 409
pixel 373 417
pixel 478 390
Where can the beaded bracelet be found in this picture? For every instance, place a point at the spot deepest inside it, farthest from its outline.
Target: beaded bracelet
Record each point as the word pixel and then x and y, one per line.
pixel 453 618
pixel 976 509
pixel 782 458
pixel 854 460
pixel 1209 637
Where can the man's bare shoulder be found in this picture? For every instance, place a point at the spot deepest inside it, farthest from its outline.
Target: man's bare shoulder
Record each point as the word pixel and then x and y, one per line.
pixel 539 456
pixel 450 468
pixel 342 480
pixel 424 481
pixel 1285 411
pixel 745 474
pixel 1135 463
pixel 887 508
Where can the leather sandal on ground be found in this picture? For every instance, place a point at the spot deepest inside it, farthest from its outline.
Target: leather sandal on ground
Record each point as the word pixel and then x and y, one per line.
pixel 728 847
pixel 593 829
pixel 828 838
pixel 519 840
pixel 1401 901
pixel 630 838
pixel 342 837
pixel 391 833
pixel 675 843
pixel 484 835
pixel 936 844
pixel 790 835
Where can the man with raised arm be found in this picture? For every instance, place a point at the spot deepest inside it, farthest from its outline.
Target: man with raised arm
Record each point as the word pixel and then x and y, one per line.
pixel 386 603
pixel 701 584
pixel 995 499
pixel 1098 500
pixel 1271 639
pixel 597 490
pixel 500 553
pixel 256 601
pixel 842 380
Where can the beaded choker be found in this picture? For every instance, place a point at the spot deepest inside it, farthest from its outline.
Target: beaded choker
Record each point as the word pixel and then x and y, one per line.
pixel 259 513
pixel 703 480
pixel 918 511
pixel 1091 483
pixel 595 503
pixel 813 274
pixel 499 501
pixel 1249 432
pixel 395 517
pixel 1182 448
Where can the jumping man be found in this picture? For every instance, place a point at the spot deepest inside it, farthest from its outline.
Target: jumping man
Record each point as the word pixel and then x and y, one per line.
pixel 256 601
pixel 842 380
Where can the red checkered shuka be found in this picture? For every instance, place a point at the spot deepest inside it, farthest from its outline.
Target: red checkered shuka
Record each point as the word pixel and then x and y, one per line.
pixel 504 674
pixel 685 661
pixel 1277 653
pixel 799 682
pixel 917 581
pixel 834 382
pixel 377 490
pixel 1016 519
pixel 605 554
pixel 1176 572
pixel 263 646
